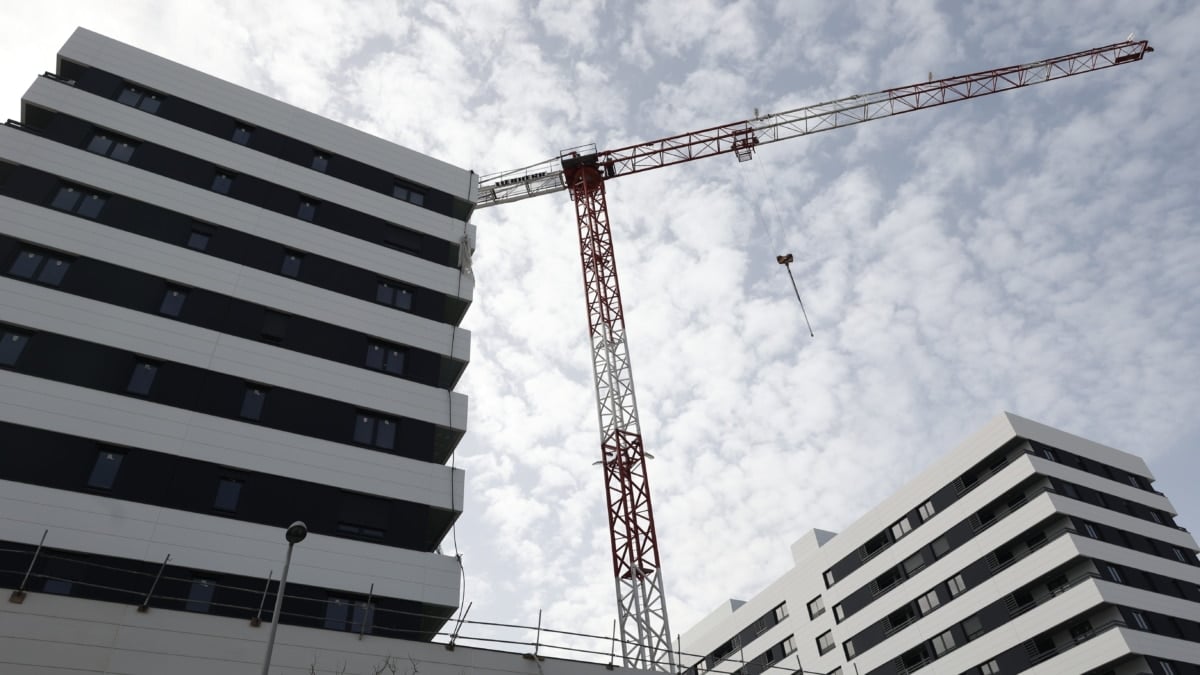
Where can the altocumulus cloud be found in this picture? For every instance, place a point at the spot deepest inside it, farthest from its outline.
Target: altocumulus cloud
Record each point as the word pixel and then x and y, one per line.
pixel 1033 252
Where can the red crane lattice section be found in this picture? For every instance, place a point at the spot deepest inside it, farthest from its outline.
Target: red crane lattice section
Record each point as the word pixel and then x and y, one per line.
pixel 642 616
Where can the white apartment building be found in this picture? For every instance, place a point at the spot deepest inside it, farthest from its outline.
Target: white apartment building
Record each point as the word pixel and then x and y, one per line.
pixel 220 314
pixel 1025 550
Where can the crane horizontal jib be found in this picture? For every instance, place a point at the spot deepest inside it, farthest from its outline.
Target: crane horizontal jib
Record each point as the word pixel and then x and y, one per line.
pixel 743 136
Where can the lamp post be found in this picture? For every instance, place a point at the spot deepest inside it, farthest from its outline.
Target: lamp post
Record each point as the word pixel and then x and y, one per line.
pixel 295 534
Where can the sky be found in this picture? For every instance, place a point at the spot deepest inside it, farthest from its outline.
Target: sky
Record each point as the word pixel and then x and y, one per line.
pixel 1033 252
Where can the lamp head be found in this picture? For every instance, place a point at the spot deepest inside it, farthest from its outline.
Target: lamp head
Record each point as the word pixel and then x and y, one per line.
pixel 296 532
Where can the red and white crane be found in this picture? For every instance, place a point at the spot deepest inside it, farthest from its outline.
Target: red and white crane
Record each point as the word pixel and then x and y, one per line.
pixel 584 172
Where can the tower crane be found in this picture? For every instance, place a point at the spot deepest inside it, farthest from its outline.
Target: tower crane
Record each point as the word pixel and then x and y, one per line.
pixel 584 172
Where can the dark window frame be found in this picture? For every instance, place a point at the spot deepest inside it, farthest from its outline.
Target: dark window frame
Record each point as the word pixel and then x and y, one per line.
pixel 13 343
pixel 111 145
pixel 174 300
pixel 228 495
pixel 254 400
pixel 106 469
pixel 141 380
pixel 137 96
pixel 48 268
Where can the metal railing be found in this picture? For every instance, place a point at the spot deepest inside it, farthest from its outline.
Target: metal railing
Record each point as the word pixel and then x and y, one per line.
pixel 144 590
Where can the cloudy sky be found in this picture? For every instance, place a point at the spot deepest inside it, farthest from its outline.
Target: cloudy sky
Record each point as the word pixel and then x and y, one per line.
pixel 1034 252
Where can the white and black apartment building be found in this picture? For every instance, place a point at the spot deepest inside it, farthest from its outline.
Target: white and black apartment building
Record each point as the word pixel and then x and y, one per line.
pixel 220 314
pixel 1025 550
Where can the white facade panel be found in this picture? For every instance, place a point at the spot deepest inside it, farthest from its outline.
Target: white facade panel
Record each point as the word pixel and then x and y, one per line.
pixel 106 175
pixel 160 338
pixel 131 422
pixel 112 527
pixel 193 269
pixel 173 79
pixel 50 634
pixel 141 126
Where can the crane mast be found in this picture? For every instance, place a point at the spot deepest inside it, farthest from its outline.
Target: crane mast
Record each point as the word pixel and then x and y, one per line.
pixel 584 172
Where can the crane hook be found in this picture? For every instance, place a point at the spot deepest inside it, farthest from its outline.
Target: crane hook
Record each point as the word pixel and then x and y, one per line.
pixel 786 260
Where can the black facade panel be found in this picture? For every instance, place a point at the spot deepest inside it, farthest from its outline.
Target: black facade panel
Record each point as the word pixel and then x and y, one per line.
pixel 85 364
pixel 266 141
pixel 138 291
pixel 125 580
pixel 150 221
pixel 64 462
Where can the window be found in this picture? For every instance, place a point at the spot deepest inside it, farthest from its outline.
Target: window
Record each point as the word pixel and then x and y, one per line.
pixel 222 182
pixel 789 645
pixel 198 240
pixel 1081 631
pixel 79 201
pixel 142 377
pixel 990 668
pixel 1048 453
pixel 360 530
pixel 1114 574
pixel 142 99
pixel 403 240
pixel 348 614
pixel 1134 481
pixel 200 595
pixel 1056 583
pixel 929 602
pixel 1068 489
pixel 829 578
pixel 839 612
pixel 901 528
pixel 320 161
pixel 825 642
pixel 943 643
pixel 848 647
pixel 816 607
pixel 1155 517
pixel 392 293
pixel 956 585
pixel 1139 620
pixel 873 545
pixel 108 144
pixel 308 209
pixel 926 511
pixel 104 471
pixel 1179 554
pixel 229 491
pixel 291 263
pixel 252 402
pixel 915 563
pixel 836 671
pixel 1091 531
pixel 172 302
pixel 40 265
pixel 274 326
pixel 940 547
pixel 56 586
pixel 1167 668
pixel 408 194
pixel 972 627
pixel 901 617
pixel 242 133
pixel 781 612
pixel 886 580
pixel 12 343
pixel 385 357
pixel 376 430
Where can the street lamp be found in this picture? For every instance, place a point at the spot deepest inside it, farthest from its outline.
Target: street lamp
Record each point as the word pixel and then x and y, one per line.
pixel 295 534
